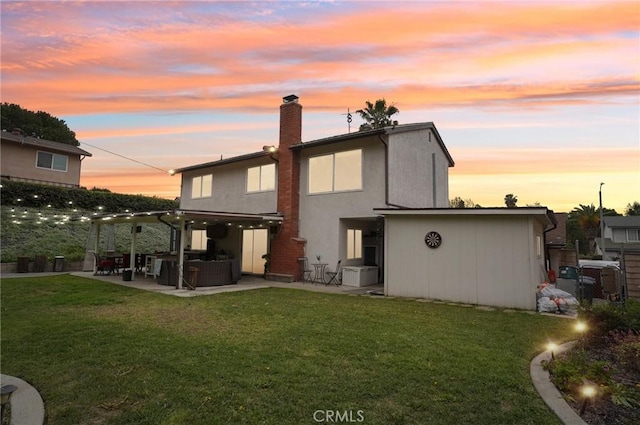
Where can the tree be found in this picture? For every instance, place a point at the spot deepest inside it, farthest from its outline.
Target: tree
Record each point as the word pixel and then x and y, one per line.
pixel 510 200
pixel 377 115
pixel 632 209
pixel 458 202
pixel 37 124
pixel 587 218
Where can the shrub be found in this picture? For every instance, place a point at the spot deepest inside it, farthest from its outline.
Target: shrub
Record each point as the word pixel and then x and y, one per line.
pixel 627 349
pixel 569 372
pixel 603 319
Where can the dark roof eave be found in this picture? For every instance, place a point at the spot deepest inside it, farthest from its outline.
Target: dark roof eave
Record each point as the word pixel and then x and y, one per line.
pixel 380 131
pixel 44 144
pixel 219 162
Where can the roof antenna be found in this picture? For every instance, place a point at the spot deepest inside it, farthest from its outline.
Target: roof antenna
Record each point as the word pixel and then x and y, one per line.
pixel 349 119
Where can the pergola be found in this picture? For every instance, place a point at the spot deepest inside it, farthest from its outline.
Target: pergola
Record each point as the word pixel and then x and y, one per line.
pixel 181 221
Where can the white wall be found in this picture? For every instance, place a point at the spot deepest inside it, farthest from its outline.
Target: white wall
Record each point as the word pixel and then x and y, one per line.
pixel 412 159
pixel 229 190
pixel 320 214
pixel 486 260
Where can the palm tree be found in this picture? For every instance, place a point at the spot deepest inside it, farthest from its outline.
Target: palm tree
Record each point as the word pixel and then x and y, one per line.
pixel 510 200
pixel 378 115
pixel 588 218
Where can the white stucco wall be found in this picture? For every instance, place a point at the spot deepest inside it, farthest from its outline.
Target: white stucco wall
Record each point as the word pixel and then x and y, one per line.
pixel 229 190
pixel 483 259
pixel 415 164
pixel 320 214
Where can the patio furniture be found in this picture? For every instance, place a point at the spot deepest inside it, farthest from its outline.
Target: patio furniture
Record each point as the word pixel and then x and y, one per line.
pixel 305 270
pixel 192 282
pixel 103 265
pixel 334 276
pixel 210 273
pixel 318 275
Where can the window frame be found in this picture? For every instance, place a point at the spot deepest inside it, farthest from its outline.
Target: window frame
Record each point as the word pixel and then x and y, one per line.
pixel 53 161
pixel 637 235
pixel 201 236
pixel 261 179
pixel 355 249
pixel 334 173
pixel 201 186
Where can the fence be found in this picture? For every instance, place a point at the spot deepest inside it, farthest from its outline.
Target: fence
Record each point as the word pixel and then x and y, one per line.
pixel 632 268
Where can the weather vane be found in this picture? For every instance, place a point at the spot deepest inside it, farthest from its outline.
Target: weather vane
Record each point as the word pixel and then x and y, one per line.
pixel 349 119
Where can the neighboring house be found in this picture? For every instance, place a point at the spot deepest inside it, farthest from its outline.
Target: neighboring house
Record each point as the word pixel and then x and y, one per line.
pixel 621 234
pixel 325 191
pixel 34 160
pixel 556 241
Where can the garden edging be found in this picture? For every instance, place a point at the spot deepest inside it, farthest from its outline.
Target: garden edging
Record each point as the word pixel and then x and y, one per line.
pixel 548 391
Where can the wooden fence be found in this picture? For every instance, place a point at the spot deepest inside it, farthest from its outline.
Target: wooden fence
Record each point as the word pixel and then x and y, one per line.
pixel 632 268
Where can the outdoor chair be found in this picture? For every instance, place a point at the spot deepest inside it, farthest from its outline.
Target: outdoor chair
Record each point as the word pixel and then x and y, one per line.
pixel 334 276
pixel 305 271
pixel 103 265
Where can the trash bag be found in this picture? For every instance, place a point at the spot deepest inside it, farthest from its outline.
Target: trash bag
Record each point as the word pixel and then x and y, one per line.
pixel 547 305
pixel 552 292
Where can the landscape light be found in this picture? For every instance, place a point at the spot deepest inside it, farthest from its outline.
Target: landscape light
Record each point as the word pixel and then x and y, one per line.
pixel 588 392
pixel 551 347
pixel 581 326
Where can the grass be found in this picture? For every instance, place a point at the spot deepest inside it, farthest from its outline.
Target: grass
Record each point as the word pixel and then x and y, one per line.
pixel 105 354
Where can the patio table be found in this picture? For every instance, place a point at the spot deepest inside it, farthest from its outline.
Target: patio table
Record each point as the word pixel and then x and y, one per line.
pixel 319 270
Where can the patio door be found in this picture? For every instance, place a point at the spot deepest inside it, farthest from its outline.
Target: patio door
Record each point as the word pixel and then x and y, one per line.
pixel 254 246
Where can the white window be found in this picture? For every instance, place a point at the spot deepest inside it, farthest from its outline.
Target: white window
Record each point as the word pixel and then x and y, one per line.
pixel 340 171
pixel 199 239
pixel 354 243
pixel 633 235
pixel 201 186
pixel 262 178
pixel 52 161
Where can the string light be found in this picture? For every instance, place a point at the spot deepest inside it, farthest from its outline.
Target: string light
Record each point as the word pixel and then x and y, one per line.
pixel 170 172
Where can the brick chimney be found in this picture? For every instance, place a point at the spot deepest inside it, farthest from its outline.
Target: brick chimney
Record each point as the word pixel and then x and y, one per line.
pixel 287 247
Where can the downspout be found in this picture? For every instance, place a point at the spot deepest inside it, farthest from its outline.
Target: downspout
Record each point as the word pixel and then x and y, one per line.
pixel 386 174
pixel 554 222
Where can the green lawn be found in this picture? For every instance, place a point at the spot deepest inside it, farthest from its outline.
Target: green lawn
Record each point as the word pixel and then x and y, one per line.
pixel 101 353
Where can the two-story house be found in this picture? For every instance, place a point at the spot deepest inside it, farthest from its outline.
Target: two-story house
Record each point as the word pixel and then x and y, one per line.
pixel 324 190
pixel 35 160
pixel 620 234
pixel 376 200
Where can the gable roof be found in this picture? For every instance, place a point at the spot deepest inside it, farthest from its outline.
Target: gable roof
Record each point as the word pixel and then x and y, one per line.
pixel 43 143
pixel 618 221
pixel 330 140
pixel 402 128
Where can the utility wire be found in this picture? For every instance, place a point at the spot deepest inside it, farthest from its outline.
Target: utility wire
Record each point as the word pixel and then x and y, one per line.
pixel 126 157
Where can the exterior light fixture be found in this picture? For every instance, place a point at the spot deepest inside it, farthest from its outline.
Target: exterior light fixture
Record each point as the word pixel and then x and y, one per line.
pixel 551 347
pixel 269 149
pixel 588 391
pixel 172 172
pixel 581 326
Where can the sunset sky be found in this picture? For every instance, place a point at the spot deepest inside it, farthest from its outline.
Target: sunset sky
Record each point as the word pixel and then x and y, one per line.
pixel 539 99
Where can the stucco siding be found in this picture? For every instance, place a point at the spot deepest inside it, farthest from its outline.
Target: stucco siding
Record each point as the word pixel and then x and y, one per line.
pixel 320 214
pixel 229 193
pixel 19 162
pixel 482 260
pixel 418 169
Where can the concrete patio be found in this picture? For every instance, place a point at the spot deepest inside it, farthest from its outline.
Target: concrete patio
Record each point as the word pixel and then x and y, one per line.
pixel 247 282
